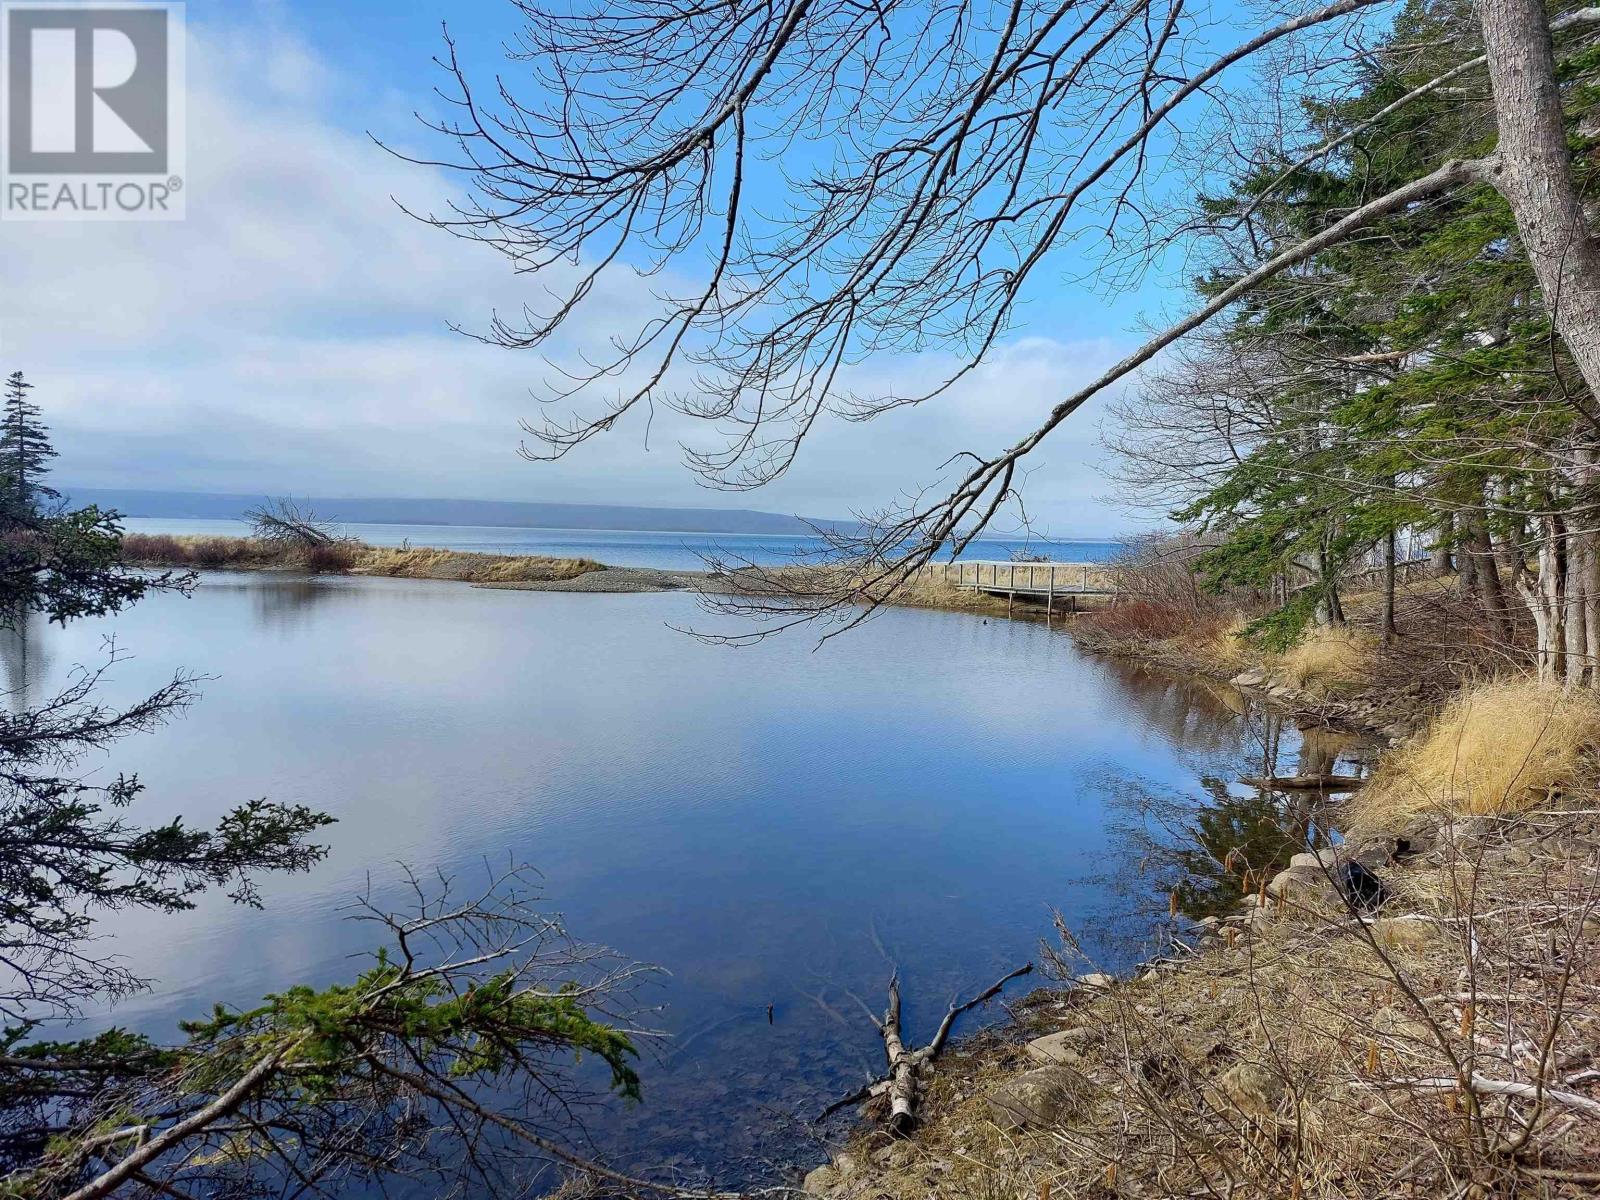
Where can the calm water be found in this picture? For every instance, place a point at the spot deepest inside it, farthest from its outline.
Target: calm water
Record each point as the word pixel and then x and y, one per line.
pixel 622 548
pixel 757 821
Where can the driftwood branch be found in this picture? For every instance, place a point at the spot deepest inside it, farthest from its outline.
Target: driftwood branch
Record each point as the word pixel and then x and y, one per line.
pixel 899 1083
pixel 1304 783
pixel 1483 1085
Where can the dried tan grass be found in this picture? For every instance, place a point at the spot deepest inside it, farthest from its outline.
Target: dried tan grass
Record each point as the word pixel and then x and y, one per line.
pixel 1498 747
pixel 1315 1057
pixel 424 562
pixel 1227 646
pixel 420 562
pixel 1327 659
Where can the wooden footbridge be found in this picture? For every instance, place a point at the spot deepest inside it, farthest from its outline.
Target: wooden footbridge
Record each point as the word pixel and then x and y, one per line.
pixel 1061 585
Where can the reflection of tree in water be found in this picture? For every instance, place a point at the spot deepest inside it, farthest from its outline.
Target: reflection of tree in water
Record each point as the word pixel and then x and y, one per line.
pixel 23 649
pixel 1229 845
pixel 1176 852
pixel 285 603
pixel 1192 713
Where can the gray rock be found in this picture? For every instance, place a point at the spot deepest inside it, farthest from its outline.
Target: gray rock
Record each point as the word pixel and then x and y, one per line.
pixel 1512 857
pixel 1300 884
pixel 1055 1048
pixel 1196 1047
pixel 1399 1025
pixel 1252 1088
pixel 821 1181
pixel 1038 1097
pixel 1249 679
pixel 1316 860
pixel 1097 979
pixel 902 1154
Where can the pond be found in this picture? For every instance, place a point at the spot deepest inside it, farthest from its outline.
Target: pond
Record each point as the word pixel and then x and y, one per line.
pixel 772 825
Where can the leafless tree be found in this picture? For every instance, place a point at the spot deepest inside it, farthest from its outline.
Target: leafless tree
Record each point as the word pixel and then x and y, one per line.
pixel 935 161
pixel 289 523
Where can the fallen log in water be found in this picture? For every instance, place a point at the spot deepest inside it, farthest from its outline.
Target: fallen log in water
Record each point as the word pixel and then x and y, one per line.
pixel 900 1082
pixel 1304 783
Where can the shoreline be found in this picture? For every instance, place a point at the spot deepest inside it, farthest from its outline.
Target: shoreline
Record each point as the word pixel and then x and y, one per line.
pixel 1279 1022
pixel 512 572
pixel 1278 1048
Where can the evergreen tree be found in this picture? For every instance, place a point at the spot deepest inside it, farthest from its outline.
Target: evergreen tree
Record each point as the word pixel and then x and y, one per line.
pixel 25 453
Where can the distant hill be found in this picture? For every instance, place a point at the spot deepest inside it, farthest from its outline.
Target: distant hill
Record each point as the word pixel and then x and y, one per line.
pixel 514 514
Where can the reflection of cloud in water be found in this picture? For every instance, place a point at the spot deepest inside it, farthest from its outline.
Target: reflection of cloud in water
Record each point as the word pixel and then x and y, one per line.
pixel 746 818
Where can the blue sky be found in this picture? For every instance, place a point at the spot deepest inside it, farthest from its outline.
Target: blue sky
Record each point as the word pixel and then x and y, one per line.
pixel 290 335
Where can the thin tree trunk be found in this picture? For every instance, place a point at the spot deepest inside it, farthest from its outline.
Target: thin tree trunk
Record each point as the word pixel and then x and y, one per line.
pixel 1388 589
pixel 1573 604
pixel 1532 169
pixel 1442 562
pixel 1464 563
pixel 1585 573
pixel 1508 547
pixel 1591 606
pixel 1546 596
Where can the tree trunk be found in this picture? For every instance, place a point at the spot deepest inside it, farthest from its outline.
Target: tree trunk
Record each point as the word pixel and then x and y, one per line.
pixel 1573 606
pixel 1441 561
pixel 1584 572
pixel 1545 598
pixel 1591 607
pixel 1532 169
pixel 1486 578
pixel 1388 589
pixel 904 1063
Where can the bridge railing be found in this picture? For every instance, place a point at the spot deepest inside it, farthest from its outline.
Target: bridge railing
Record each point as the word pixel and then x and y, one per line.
pixel 1041 578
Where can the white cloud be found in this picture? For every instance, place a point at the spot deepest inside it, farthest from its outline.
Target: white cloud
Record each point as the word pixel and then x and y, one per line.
pixel 290 336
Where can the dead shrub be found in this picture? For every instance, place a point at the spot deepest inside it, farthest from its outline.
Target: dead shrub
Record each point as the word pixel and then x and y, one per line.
pixel 330 556
pixel 1142 620
pixel 1160 597
pixel 217 551
pixel 152 548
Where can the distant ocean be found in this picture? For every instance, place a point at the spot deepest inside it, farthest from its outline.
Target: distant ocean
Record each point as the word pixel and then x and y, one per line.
pixel 622 548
